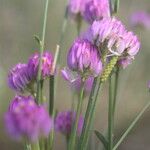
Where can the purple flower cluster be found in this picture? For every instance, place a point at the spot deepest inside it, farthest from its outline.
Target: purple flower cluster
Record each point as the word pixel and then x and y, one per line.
pixel 141 18
pixel 84 58
pixel 19 78
pixel 64 121
pixel 112 34
pixel 96 10
pixel 22 76
pixel 47 62
pixel 75 8
pixel 89 10
pixel 25 119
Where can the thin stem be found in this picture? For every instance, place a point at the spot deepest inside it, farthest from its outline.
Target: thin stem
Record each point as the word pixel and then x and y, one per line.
pixel 116 6
pixel 35 146
pixel 89 115
pixel 110 7
pixel 79 23
pixel 67 142
pixel 115 89
pixel 132 125
pixel 51 109
pixel 27 146
pixel 51 94
pixel 72 144
pixel 42 43
pixel 110 115
pixel 63 29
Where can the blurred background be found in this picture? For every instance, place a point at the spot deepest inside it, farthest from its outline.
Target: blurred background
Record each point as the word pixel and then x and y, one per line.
pixel 20 20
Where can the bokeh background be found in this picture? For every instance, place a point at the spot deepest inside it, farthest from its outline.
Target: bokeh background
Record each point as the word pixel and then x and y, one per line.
pixel 20 20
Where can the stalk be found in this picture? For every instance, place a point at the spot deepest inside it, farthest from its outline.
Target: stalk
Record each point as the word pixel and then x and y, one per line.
pixel 51 94
pixel 42 43
pixel 35 146
pixel 63 29
pixel 110 115
pixel 131 126
pixel 116 82
pixel 89 116
pixel 52 97
pixel 72 144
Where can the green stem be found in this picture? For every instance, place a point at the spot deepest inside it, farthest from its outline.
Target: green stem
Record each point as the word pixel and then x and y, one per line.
pixel 116 6
pixel 72 144
pixel 79 23
pixel 89 115
pixel 42 43
pixel 110 7
pixel 63 29
pixel 116 82
pixel 51 94
pixel 35 146
pixel 51 109
pixel 27 146
pixel 132 125
pixel 67 142
pixel 110 115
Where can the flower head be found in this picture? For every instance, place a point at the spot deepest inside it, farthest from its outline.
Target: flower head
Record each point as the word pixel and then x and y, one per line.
pixel 64 121
pixel 96 10
pixel 25 119
pixel 84 58
pixel 110 34
pixel 47 62
pixel 141 18
pixel 18 78
pixel 75 8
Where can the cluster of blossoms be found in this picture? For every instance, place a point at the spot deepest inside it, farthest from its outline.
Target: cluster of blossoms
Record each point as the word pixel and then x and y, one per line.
pixel 89 10
pixel 113 39
pixel 23 76
pixel 88 57
pixel 26 119
pixel 64 122
pixel 107 38
pixel 140 18
pixel 102 42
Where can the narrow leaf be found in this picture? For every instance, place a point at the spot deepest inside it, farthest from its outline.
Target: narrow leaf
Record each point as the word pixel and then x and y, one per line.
pixel 134 122
pixel 102 139
pixel 37 39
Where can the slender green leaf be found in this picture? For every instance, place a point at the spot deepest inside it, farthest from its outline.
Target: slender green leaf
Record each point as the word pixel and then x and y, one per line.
pixel 132 125
pixel 101 137
pixel 37 39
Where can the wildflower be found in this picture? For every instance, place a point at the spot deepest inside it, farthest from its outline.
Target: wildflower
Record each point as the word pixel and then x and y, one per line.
pixel 96 10
pixel 46 68
pixel 64 121
pixel 114 40
pixel 84 58
pixel 140 18
pixel 25 119
pixel 75 81
pixel 75 8
pixel 18 78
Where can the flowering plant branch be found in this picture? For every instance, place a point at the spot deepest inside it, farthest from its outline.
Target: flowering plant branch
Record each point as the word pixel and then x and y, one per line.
pixel 95 57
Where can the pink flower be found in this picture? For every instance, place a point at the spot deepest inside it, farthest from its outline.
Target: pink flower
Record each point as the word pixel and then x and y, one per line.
pixel 112 34
pixel 25 119
pixel 96 10
pixel 140 18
